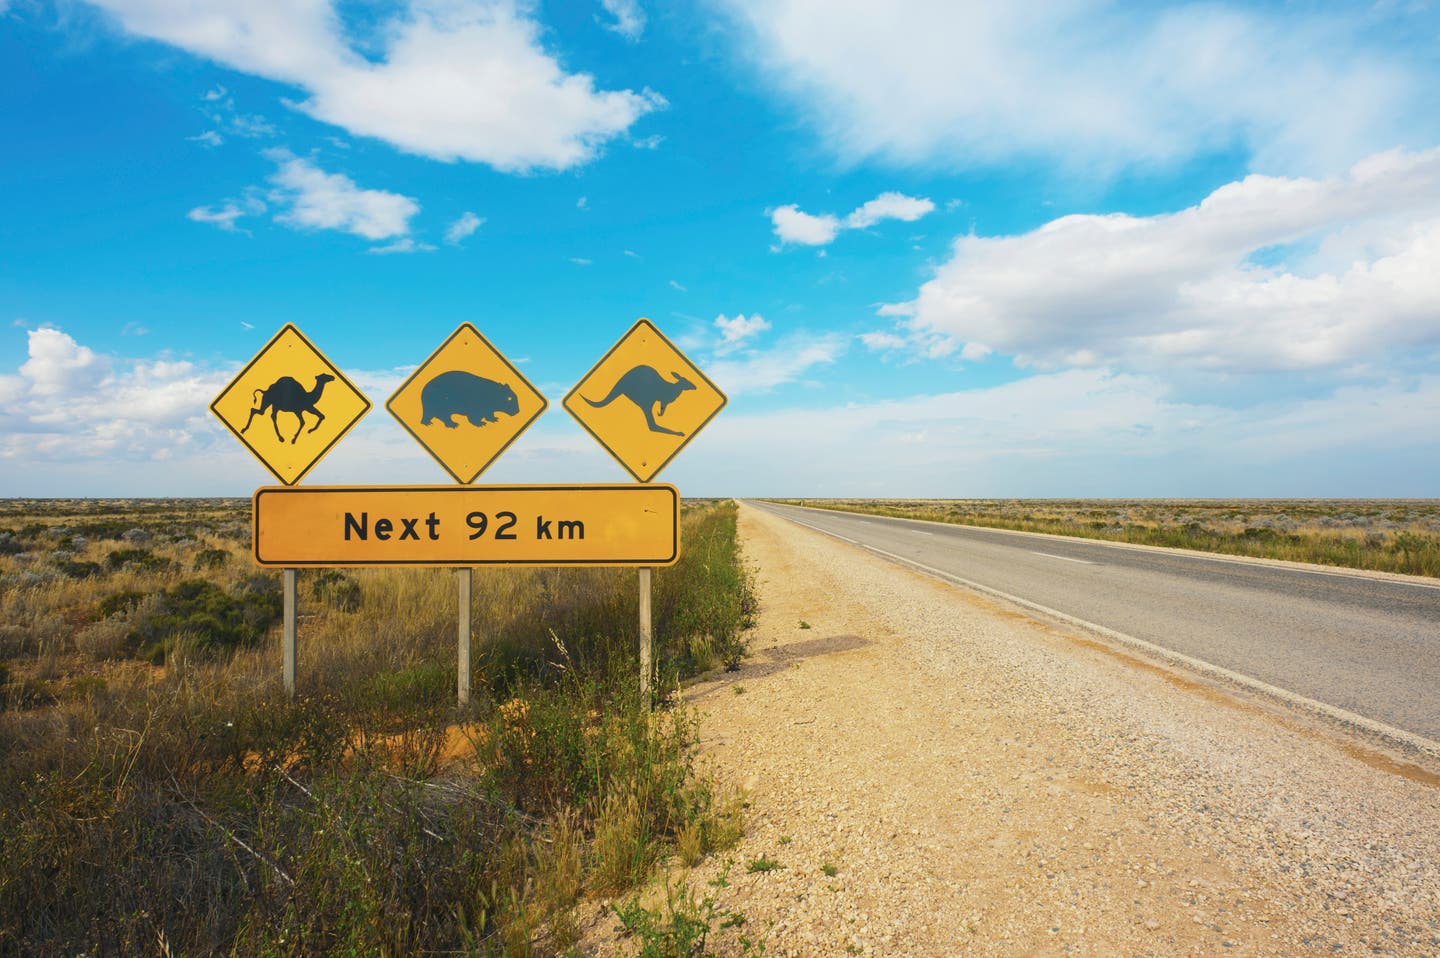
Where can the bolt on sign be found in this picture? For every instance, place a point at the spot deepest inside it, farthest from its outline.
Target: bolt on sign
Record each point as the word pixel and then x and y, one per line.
pixel 290 405
pixel 609 525
pixel 644 401
pixel 466 404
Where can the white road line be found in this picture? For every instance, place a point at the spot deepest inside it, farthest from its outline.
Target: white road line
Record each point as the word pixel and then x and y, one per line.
pixel 1051 555
pixel 1157 550
pixel 1343 717
pixel 921 532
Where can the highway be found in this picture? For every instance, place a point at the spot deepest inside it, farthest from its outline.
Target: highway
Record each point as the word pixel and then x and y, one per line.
pixel 1366 645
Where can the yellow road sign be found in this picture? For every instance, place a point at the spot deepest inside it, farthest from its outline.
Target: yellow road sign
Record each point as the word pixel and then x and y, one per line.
pixel 603 525
pixel 290 405
pixel 466 404
pixel 644 400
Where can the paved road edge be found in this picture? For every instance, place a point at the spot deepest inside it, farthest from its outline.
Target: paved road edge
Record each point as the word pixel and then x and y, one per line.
pixel 1394 737
pixel 1400 578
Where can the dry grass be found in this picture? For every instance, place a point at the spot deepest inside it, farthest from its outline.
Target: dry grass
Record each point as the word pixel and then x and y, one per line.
pixel 1387 535
pixel 159 793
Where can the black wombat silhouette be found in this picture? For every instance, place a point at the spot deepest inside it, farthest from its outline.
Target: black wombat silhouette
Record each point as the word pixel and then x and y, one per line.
pixel 458 393
pixel 287 395
pixel 646 388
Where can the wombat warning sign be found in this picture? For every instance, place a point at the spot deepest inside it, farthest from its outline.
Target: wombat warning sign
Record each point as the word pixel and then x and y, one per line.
pixel 466 404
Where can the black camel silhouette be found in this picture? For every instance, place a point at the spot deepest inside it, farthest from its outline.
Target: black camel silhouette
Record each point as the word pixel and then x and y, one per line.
pixel 645 388
pixel 287 395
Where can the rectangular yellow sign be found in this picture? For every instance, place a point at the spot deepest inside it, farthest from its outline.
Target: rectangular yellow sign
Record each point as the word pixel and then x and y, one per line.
pixel 600 525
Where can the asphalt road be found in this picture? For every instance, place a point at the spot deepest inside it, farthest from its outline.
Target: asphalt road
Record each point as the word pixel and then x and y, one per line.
pixel 1369 646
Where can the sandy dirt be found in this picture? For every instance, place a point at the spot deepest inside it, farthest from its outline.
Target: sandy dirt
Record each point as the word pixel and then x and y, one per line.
pixel 981 783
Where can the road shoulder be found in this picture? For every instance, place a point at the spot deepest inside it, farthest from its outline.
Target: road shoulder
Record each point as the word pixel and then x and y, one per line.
pixel 980 782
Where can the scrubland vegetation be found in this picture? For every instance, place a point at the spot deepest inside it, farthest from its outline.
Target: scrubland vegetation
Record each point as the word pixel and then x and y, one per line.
pixel 159 794
pixel 1387 535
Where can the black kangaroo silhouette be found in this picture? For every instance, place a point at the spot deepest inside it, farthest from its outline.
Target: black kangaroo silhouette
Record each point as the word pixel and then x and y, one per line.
pixel 287 395
pixel 645 388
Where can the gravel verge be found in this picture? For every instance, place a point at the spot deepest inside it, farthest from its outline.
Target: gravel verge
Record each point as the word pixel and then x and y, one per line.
pixel 982 783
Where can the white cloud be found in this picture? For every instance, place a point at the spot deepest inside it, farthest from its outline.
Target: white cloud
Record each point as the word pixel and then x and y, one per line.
pixel 463 227
pixel 883 340
pixel 1062 434
pixel 58 365
pixel 792 225
pixel 249 127
pixel 581 261
pixel 582 203
pixel 628 18
pixel 451 80
pixel 404 244
pixel 889 206
pixel 1265 274
pixel 737 332
pixel 68 402
pixel 790 360
pixel 679 287
pixel 1094 84
pixel 224 217
pixel 314 199
pixel 209 138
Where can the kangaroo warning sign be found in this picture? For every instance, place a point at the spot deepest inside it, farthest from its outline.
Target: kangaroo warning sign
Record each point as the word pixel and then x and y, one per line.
pixel 290 405
pixel 644 400
pixel 466 404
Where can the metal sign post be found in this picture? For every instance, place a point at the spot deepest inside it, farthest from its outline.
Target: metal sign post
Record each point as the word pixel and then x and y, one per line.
pixel 289 375
pixel 288 640
pixel 644 401
pixel 645 651
pixel 465 405
pixel 462 689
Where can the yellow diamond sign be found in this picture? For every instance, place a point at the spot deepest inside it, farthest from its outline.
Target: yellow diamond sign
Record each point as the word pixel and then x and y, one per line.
pixel 290 405
pixel 644 401
pixel 466 404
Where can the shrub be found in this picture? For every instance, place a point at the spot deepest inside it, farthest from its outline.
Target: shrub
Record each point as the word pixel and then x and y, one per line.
pixel 119 602
pixel 142 559
pixel 337 590
pixel 211 559
pixel 208 618
pixel 78 570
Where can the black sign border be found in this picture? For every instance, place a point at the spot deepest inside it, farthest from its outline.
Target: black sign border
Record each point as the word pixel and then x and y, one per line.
pixel 724 399
pixel 333 368
pixel 544 403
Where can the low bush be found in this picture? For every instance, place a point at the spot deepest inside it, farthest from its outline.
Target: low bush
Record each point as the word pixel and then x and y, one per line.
pixel 207 559
pixel 337 590
pixel 205 618
pixel 195 810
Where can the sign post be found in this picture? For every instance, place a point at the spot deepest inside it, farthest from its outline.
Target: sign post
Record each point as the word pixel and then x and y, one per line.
pixel 647 668
pixel 465 405
pixel 288 643
pixel 643 402
pixel 464 577
pixel 272 383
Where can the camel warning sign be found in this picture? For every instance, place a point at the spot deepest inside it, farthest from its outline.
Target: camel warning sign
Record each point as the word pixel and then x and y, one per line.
pixel 466 404
pixel 290 405
pixel 644 401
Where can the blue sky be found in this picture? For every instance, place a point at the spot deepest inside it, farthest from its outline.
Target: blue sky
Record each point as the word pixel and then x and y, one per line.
pixel 928 247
